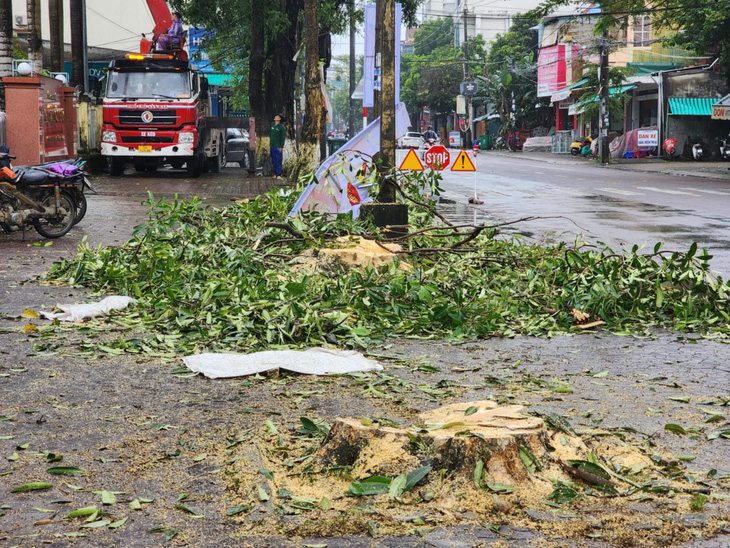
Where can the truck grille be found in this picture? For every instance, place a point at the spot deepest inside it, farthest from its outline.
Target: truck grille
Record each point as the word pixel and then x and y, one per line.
pixel 135 139
pixel 160 118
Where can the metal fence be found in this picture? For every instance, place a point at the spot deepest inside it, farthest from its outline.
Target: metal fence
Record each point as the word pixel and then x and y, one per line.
pixel 3 137
pixel 561 142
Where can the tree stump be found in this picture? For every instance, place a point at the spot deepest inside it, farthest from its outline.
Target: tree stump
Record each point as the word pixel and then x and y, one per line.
pixel 450 440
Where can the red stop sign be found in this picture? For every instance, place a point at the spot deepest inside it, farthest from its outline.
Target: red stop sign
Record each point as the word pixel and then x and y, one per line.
pixel 437 157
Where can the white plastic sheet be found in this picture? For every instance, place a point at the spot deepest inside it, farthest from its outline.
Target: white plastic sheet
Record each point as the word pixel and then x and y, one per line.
pixel 80 312
pixel 315 361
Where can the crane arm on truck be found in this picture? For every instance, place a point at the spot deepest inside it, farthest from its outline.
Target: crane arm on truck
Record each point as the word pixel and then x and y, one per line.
pixel 163 19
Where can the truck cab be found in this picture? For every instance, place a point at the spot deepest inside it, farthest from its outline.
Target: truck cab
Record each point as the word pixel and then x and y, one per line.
pixel 155 110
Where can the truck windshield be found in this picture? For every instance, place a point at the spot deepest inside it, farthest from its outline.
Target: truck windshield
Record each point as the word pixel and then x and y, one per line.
pixel 148 85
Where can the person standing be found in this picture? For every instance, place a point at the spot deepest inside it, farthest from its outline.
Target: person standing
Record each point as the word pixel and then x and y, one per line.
pixel 277 137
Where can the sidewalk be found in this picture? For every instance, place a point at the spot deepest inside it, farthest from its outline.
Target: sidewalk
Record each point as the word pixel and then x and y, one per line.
pixel 678 168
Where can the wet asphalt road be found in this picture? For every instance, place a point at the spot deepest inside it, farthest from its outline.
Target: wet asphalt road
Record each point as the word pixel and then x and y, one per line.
pixel 673 365
pixel 612 205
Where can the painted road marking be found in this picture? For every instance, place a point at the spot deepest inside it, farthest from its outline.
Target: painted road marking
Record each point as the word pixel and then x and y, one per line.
pixel 622 192
pixel 718 192
pixel 666 191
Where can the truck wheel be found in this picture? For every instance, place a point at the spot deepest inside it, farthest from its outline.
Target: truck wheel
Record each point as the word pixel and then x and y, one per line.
pixel 116 166
pixel 177 164
pixel 194 166
pixel 214 163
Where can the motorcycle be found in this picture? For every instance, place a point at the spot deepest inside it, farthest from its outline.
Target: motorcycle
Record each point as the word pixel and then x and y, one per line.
pixel 725 148
pixel 577 146
pixel 40 196
pixel 670 147
pixel 698 151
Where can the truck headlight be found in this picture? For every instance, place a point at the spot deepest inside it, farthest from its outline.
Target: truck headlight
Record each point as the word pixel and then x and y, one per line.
pixel 109 137
pixel 186 137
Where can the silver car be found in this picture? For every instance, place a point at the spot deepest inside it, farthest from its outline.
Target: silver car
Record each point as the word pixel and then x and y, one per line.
pixel 236 147
pixel 412 139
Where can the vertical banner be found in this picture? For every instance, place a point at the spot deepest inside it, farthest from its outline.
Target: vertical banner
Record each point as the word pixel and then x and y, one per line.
pixel 369 68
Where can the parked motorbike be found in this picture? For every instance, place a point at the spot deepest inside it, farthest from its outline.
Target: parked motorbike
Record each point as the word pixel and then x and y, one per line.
pixel 698 151
pixel 670 147
pixel 41 197
pixel 725 148
pixel 576 147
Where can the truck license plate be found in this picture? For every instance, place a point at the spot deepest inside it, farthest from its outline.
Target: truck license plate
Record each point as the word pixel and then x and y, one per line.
pixel 144 148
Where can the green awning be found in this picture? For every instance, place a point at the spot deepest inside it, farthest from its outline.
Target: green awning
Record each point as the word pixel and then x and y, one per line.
pixel 691 106
pixel 221 80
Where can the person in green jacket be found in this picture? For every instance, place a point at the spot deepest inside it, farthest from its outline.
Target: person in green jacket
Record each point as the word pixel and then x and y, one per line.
pixel 277 139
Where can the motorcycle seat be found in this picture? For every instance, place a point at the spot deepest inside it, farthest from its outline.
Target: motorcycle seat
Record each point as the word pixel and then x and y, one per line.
pixel 30 177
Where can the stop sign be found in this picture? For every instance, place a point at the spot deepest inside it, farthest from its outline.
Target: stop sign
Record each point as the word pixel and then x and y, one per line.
pixel 437 157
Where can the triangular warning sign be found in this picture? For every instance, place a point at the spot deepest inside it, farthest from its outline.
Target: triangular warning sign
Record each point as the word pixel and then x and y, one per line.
pixel 411 162
pixel 463 163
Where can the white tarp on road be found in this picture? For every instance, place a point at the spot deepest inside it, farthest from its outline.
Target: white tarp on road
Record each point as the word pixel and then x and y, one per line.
pixel 80 312
pixel 314 361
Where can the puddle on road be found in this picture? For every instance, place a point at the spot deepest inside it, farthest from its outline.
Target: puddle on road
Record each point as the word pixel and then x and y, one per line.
pixel 459 213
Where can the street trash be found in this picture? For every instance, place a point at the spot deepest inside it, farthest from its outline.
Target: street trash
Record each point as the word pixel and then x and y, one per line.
pixel 80 312
pixel 314 361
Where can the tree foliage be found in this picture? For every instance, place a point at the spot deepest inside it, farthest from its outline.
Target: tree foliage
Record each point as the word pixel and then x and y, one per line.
pixel 511 60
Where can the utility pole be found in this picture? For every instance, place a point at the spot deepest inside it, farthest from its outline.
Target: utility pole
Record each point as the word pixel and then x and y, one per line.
pixel 77 43
pixel 353 76
pixel 604 94
pixel 466 79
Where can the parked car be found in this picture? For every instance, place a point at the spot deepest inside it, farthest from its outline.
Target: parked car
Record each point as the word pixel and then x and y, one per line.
pixel 236 147
pixel 412 139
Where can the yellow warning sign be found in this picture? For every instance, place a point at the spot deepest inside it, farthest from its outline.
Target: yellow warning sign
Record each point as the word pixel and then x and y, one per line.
pixel 411 162
pixel 463 163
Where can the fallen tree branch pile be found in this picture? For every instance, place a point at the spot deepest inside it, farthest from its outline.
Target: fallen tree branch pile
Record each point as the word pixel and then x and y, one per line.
pixel 224 280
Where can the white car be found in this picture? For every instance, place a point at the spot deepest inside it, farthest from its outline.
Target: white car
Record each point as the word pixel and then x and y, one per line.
pixel 412 139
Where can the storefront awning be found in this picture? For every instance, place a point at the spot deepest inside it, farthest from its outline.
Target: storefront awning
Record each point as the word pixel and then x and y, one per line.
pixel 564 93
pixel 691 106
pixel 221 79
pixel 721 109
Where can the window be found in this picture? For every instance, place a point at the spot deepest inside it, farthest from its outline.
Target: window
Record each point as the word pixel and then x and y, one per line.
pixel 642 30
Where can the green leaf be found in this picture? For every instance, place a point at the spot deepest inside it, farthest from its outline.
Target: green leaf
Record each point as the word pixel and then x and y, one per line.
pixel 268 474
pixel 14 456
pixel 601 375
pixel 415 476
pixel 187 509
pixel 108 498
pixel 500 488
pixel 374 485
pixel 682 399
pixel 118 524
pixel 263 495
pixel 471 410
pixel 36 486
pixel 83 512
pixel 675 428
pixel 326 504
pixel 135 505
pixel 235 510
pixel 478 473
pixel 66 471
pixel 201 456
pixel 96 524
pixel 397 486
pixel 563 494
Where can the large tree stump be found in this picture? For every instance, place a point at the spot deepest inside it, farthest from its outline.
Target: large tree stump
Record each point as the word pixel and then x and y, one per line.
pixel 450 440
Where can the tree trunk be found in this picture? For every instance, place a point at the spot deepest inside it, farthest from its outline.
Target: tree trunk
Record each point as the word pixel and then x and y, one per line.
pixel 255 83
pixel 77 42
pixel 314 109
pixel 6 44
pixel 282 77
pixel 35 37
pixel 55 16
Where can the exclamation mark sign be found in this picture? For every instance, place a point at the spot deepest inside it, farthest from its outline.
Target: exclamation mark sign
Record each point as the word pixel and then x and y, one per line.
pixel 462 161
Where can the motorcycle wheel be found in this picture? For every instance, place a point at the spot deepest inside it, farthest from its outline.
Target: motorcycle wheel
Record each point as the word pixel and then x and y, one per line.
pixel 575 151
pixel 80 202
pixel 55 228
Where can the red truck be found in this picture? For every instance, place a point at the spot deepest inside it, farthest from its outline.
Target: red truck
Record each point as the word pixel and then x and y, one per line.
pixel 157 109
